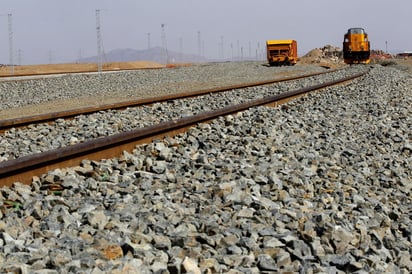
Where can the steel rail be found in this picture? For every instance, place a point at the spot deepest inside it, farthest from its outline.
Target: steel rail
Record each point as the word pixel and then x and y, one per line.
pixel 24 168
pixel 43 118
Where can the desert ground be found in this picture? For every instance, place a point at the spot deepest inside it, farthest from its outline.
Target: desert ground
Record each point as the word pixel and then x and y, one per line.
pixel 75 67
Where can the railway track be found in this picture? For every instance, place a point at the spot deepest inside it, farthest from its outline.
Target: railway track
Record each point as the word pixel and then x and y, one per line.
pixel 22 169
pixel 35 119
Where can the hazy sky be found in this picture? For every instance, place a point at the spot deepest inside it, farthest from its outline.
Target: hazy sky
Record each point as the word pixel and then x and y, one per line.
pixel 63 30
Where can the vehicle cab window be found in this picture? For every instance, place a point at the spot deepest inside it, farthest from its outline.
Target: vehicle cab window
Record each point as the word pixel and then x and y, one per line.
pixel 356 31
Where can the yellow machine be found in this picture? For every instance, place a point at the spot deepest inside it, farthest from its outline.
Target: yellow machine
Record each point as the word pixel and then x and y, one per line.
pixel 282 52
pixel 356 47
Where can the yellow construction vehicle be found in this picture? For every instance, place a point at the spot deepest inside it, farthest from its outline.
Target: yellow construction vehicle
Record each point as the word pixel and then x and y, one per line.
pixel 282 52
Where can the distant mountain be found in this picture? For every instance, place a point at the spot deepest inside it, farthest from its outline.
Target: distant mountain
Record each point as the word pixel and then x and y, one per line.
pixel 156 54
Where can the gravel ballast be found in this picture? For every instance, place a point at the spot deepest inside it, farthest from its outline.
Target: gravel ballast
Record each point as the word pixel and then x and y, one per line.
pixel 46 136
pixel 320 185
pixel 61 89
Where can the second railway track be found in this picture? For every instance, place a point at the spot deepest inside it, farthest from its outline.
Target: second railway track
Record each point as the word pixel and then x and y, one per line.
pixel 23 168
pixel 34 119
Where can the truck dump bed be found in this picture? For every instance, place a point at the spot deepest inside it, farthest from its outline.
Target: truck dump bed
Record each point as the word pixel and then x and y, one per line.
pixel 282 52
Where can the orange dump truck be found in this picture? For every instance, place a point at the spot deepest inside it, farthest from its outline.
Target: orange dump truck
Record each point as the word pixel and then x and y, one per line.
pixel 282 52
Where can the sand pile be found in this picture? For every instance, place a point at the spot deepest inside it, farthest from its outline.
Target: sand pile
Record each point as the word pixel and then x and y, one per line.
pixel 328 56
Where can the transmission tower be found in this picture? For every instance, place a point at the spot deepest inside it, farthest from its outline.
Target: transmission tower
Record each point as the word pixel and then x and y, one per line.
pixel 50 56
pixel 203 49
pixel 99 42
pixel 11 61
pixel 199 45
pixel 164 45
pixel 223 47
pixel 181 49
pixel 20 53
pixel 79 55
pixel 148 40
